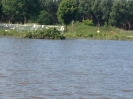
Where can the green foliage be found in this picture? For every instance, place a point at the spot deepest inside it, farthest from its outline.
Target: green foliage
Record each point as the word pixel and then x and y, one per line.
pixel 8 33
pixel 84 9
pixel 44 18
pixel 116 13
pixel 1 10
pixel 80 30
pixel 101 11
pixel 25 10
pixel 110 33
pixel 105 7
pixel 51 33
pixel 51 6
pixel 20 10
pixel 88 22
pixel 67 11
pixel 121 15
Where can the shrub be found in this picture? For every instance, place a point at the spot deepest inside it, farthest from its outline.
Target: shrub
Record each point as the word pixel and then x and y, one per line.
pixel 44 18
pixel 51 33
pixel 88 22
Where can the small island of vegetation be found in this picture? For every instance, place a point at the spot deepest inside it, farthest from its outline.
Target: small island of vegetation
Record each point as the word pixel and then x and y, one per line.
pixel 93 19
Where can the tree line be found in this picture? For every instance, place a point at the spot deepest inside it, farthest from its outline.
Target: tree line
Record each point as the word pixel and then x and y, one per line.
pixel 117 13
pixel 113 12
pixel 21 11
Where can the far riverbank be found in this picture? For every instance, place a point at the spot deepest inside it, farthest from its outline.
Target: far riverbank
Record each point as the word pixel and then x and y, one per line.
pixel 78 30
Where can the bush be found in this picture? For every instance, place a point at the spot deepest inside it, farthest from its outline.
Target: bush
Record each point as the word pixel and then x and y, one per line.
pixel 88 22
pixel 51 33
pixel 44 18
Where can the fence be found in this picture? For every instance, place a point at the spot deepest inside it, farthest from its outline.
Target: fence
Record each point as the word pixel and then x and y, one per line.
pixel 28 27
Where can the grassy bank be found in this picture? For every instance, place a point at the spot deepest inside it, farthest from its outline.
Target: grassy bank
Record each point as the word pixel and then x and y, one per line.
pixel 80 30
pixel 51 33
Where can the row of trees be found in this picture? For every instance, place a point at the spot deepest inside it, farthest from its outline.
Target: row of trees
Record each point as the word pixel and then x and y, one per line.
pixel 117 13
pixel 25 10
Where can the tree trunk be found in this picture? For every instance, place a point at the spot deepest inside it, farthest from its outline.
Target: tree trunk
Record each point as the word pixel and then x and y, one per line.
pixel 66 27
pixel 129 26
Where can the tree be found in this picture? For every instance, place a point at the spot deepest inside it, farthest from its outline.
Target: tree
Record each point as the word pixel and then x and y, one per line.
pixel 105 7
pixel 97 12
pixel 67 11
pixel 1 9
pixel 44 18
pixel 121 15
pixel 85 9
pixel 21 10
pixel 51 6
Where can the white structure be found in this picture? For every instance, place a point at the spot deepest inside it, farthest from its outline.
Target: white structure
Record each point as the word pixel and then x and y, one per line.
pixel 29 27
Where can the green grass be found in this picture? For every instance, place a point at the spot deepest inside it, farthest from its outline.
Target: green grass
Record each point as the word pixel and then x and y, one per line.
pixel 81 30
pixel 8 33
pixel 51 33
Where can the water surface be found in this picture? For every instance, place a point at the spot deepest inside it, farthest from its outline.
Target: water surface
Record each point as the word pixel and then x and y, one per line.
pixel 65 69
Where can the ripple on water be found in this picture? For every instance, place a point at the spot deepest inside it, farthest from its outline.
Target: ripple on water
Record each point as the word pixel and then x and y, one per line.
pixel 127 90
pixel 37 97
pixel 3 76
pixel 103 98
pixel 70 69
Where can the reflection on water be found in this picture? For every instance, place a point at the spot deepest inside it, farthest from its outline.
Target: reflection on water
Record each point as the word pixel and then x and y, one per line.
pixel 68 69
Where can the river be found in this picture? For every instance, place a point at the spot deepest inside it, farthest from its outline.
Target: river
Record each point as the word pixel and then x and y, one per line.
pixel 65 69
